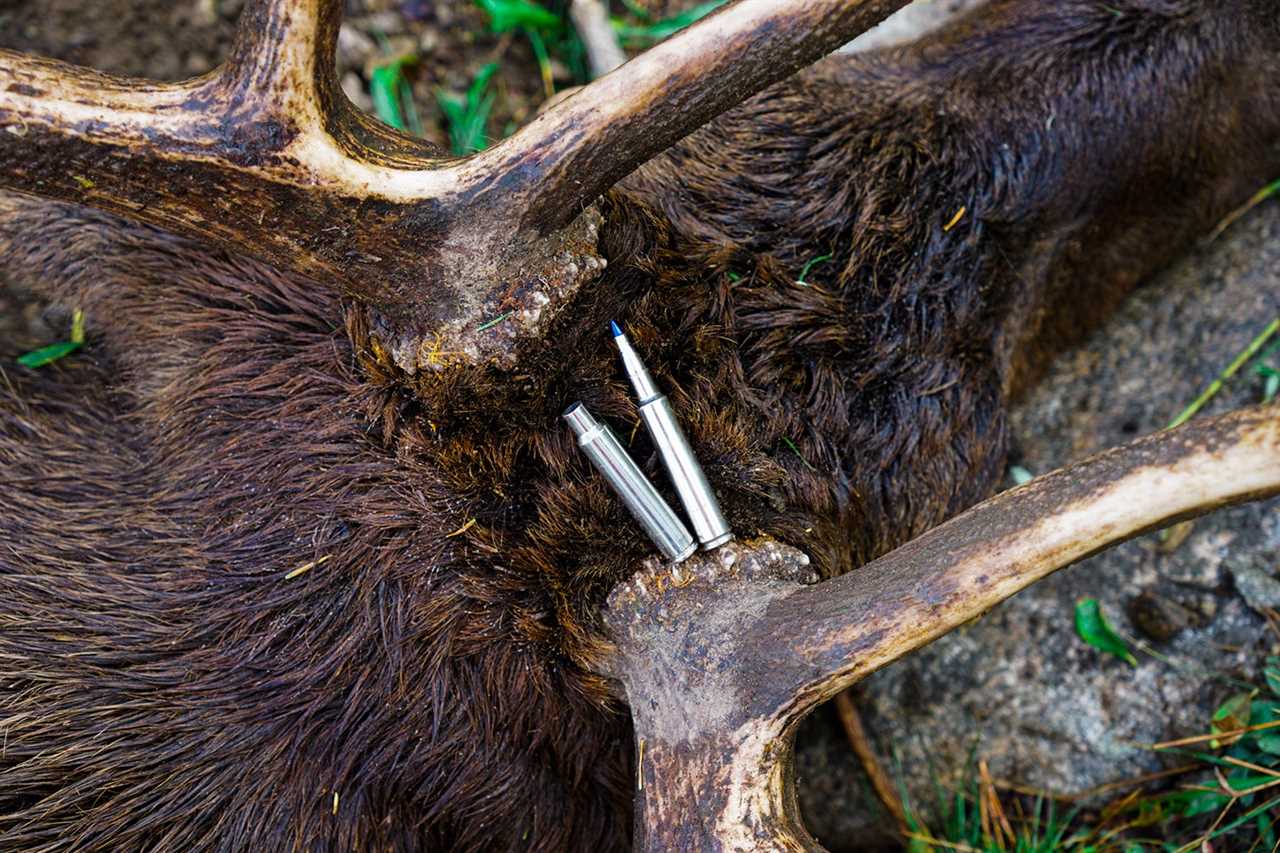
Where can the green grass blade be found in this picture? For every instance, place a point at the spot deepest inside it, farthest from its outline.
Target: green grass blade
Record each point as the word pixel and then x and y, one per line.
pixel 1231 369
pixel 384 89
pixel 467 118
pixel 49 354
pixel 810 265
pixel 411 117
pixel 649 33
pixel 507 15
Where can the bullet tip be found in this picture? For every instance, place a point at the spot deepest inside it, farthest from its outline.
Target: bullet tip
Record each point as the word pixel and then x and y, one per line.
pixel 615 328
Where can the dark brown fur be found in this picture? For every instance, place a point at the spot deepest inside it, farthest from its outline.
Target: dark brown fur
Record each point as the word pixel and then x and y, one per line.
pixel 164 686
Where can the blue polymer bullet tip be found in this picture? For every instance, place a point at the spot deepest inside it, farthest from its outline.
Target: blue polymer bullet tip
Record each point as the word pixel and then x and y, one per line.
pixel 615 328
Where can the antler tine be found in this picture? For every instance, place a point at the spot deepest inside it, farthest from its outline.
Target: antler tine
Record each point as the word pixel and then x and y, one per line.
pixel 720 665
pixel 965 567
pixel 813 641
pixel 285 46
pixel 281 66
pixel 264 155
pixel 574 152
pixel 268 157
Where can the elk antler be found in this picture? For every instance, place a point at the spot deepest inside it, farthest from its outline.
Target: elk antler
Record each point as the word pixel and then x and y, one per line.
pixel 722 656
pixel 266 156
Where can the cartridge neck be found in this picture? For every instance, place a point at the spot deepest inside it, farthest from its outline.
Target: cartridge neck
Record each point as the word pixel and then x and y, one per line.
pixel 641 380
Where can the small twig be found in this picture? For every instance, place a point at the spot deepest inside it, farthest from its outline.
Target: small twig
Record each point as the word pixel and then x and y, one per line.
pixel 999 820
pixel 880 781
pixel 1273 622
pixel 591 20
pixel 1097 790
pixel 1187 741
pixel 1208 833
pixel 1248 765
pixel 640 766
pixel 938 842
pixel 461 530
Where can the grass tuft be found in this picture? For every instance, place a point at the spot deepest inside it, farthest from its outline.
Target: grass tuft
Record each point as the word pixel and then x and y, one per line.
pixel 467 116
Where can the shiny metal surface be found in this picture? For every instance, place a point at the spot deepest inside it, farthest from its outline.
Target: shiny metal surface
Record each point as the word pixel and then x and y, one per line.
pixel 609 457
pixel 686 474
pixel 682 466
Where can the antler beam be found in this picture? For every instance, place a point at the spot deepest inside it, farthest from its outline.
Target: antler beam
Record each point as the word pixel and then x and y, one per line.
pixel 721 657
pixel 267 156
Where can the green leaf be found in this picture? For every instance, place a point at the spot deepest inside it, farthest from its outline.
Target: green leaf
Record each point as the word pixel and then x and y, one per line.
pixel 1263 711
pixel 507 15
pixel 1272 674
pixel 1270 744
pixel 77 327
pixel 1020 475
pixel 51 353
pixel 1201 802
pixel 1265 833
pixel 1092 627
pixel 1232 715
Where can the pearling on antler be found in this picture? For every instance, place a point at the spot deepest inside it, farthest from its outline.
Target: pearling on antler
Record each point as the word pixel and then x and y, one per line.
pixel 266 156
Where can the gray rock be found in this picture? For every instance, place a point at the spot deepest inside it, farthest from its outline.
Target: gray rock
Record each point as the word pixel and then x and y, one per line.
pixel 1257 585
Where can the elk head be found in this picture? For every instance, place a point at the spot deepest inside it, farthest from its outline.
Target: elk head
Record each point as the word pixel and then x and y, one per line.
pixel 315 529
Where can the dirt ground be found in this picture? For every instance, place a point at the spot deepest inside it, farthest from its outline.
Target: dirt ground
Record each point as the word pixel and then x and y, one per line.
pixel 1018 686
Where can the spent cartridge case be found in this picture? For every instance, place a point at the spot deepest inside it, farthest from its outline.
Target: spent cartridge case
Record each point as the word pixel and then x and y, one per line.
pixel 609 457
